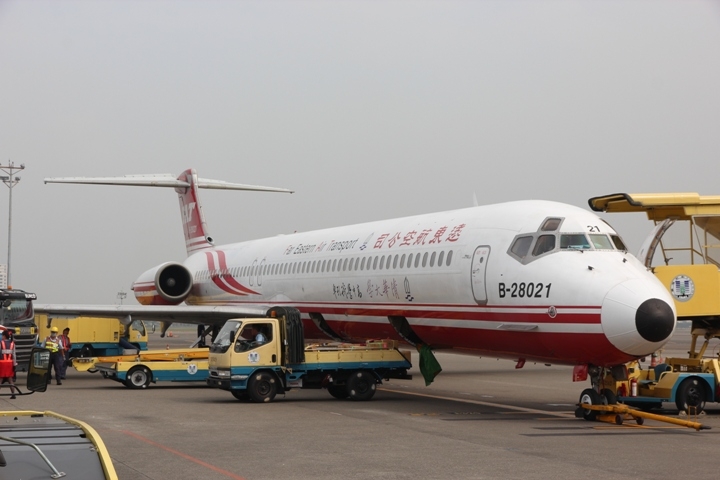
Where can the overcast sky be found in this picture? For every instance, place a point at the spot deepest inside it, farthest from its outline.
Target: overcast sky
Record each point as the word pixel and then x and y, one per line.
pixel 369 110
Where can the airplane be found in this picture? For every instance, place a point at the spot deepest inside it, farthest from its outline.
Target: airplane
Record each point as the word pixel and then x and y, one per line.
pixel 525 280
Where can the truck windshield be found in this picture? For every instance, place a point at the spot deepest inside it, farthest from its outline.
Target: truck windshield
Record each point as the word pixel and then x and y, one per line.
pixel 226 336
pixel 16 312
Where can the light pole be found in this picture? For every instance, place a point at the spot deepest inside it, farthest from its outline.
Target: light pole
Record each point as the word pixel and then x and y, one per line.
pixel 10 181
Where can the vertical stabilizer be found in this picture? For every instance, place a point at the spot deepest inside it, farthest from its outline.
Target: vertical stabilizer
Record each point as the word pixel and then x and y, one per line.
pixel 193 220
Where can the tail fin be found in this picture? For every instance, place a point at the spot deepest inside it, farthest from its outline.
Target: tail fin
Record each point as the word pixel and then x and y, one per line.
pixel 186 186
pixel 193 220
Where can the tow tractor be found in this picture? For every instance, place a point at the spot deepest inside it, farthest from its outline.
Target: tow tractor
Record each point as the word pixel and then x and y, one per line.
pixel 255 358
pixel 139 370
pixel 687 230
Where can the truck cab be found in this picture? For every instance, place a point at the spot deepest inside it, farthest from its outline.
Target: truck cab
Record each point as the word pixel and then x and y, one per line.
pixel 239 347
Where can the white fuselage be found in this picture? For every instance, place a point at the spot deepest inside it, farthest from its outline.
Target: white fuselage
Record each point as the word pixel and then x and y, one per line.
pixel 453 277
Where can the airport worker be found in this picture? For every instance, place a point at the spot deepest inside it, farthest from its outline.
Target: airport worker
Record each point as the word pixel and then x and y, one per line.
pixel 66 350
pixel 260 337
pixel 8 362
pixel 54 344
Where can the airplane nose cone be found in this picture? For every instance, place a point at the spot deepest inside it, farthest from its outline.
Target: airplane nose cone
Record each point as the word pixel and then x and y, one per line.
pixel 654 320
pixel 638 316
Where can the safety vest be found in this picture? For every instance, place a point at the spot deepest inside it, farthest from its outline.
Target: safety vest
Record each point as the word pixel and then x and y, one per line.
pixel 7 350
pixel 52 344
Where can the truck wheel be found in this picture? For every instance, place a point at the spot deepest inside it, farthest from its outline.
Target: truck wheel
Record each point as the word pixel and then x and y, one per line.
pixel 360 386
pixel 138 377
pixel 590 397
pixel 690 396
pixel 262 387
pixel 338 391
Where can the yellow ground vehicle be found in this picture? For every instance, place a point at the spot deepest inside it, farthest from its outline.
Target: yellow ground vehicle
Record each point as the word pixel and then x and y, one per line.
pixel 39 445
pixel 94 336
pixel 258 367
pixel 150 366
pixel 687 232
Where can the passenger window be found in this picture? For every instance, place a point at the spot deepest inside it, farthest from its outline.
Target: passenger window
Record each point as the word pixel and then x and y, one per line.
pixel 395 260
pixel 432 259
pixel 417 260
pixel 521 246
pixel 402 261
pixel 574 241
pixel 382 260
pixel 362 264
pixel 601 242
pixel 375 260
pixel 551 224
pixel 409 264
pixel 440 258
pixel 544 244
pixel 449 258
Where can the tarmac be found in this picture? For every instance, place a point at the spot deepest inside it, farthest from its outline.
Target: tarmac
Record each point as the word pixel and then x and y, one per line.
pixel 480 419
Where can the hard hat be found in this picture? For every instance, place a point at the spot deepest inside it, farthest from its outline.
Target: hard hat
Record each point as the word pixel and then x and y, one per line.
pixel 54 330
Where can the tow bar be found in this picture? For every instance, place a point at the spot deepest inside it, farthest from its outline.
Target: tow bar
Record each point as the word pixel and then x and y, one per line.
pixel 617 414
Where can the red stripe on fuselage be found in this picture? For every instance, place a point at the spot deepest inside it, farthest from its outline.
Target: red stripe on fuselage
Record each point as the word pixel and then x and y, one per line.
pixel 225 282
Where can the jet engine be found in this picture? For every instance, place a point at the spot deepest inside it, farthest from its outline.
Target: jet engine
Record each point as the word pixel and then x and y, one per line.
pixel 166 284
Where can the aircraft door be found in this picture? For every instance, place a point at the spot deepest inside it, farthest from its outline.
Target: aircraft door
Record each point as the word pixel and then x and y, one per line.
pixel 479 266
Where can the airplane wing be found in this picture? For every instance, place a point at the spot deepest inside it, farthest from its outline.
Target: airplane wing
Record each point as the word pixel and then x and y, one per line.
pixel 203 315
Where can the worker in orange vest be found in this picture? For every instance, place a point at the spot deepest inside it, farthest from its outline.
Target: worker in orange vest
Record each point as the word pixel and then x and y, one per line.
pixel 8 362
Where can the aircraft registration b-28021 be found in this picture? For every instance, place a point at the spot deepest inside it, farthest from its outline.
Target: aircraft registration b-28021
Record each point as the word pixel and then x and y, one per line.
pixel 526 280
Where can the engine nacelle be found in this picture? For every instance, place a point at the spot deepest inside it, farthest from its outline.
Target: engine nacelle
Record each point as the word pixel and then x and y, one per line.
pixel 166 284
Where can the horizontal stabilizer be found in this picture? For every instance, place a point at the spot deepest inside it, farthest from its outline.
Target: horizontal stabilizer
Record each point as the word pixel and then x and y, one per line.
pixel 163 180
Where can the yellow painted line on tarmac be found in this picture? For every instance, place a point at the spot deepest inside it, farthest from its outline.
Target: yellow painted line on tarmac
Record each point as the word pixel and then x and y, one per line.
pixel 184 455
pixel 485 404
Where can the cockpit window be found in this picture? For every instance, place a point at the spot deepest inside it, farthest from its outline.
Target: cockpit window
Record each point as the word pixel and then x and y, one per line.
pixel 521 246
pixel 544 244
pixel 574 241
pixel 617 241
pixel 551 224
pixel 601 241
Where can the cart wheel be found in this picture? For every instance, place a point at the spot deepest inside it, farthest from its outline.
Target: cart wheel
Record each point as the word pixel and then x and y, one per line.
pixel 360 386
pixel 618 419
pixel 639 420
pixel 691 396
pixel 138 377
pixel 262 387
pixel 590 397
pixel 338 391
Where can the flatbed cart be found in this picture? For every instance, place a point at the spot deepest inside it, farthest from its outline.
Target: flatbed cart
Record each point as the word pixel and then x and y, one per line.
pixel 139 370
